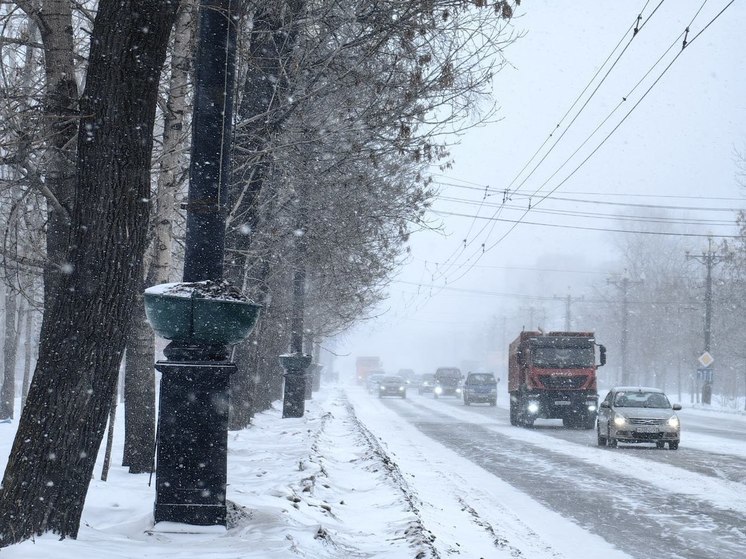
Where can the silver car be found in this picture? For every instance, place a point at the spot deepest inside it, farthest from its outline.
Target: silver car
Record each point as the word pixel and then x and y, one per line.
pixel 637 414
pixel 392 386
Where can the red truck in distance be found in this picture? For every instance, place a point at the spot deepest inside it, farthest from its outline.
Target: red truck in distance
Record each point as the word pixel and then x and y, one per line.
pixel 364 366
pixel 553 376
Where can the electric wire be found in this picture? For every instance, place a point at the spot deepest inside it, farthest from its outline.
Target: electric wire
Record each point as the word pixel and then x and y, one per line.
pixel 635 30
pixel 515 223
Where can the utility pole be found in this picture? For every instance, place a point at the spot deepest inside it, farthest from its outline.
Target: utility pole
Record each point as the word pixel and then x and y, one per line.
pixel 710 259
pixel 568 310
pixel 623 284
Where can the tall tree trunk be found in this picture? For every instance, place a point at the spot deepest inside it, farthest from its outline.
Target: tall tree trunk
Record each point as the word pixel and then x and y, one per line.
pixel 28 354
pixel 10 345
pixel 139 377
pixel 82 338
pixel 53 18
pixel 139 392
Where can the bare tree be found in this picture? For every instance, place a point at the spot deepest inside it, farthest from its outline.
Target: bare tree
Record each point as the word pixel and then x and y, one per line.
pixel 139 385
pixel 82 335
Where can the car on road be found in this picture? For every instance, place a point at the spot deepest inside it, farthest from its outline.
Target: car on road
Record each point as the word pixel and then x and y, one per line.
pixel 427 384
pixel 480 388
pixel 638 414
pixel 408 375
pixel 373 380
pixel 448 382
pixel 392 386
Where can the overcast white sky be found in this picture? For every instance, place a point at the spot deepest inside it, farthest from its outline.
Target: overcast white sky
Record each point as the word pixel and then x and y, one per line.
pixel 676 148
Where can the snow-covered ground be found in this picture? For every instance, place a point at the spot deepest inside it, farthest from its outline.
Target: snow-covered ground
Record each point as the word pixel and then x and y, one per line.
pixel 349 480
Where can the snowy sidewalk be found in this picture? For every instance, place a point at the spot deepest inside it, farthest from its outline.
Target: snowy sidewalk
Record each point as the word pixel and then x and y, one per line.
pixel 315 487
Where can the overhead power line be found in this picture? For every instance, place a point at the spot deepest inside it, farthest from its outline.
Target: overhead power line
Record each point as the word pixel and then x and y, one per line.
pixel 580 227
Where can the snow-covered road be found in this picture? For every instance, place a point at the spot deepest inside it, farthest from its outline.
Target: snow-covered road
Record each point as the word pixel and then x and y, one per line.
pixel 647 502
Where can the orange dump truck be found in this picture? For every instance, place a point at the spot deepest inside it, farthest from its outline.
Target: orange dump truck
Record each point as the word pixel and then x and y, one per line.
pixel 553 375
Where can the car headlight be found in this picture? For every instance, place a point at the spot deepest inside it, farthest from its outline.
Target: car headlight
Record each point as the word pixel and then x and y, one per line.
pixel 401 389
pixel 533 407
pixel 673 421
pixel 458 391
pixel 619 420
pixel 438 390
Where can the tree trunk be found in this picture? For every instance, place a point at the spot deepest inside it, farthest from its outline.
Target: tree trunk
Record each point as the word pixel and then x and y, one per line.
pixel 139 377
pixel 82 337
pixel 10 345
pixel 139 392
pixel 54 21
pixel 28 354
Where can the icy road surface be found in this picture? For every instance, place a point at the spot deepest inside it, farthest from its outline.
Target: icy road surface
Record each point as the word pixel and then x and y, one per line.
pixel 646 502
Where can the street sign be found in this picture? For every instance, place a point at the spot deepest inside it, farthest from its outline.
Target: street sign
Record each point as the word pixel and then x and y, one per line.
pixel 706 359
pixel 705 375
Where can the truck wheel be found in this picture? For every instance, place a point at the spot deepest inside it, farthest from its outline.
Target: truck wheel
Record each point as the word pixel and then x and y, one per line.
pixel 513 412
pixel 660 444
pixel 673 445
pixel 601 438
pixel 589 422
pixel 466 401
pixel 612 442
pixel 493 403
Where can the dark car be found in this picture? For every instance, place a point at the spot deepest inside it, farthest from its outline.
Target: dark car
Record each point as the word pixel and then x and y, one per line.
pixel 447 382
pixel 373 379
pixel 427 384
pixel 407 374
pixel 480 387
pixel 392 386
pixel 637 414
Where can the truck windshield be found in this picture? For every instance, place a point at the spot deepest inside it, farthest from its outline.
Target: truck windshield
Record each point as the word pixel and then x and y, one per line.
pixel 563 357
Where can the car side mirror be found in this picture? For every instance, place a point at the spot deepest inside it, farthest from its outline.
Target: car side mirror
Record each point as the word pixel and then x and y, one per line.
pixel 605 405
pixel 676 407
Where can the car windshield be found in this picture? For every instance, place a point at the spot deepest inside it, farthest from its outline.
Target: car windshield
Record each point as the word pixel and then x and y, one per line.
pixel 392 380
pixel 428 378
pixel 479 378
pixel 641 400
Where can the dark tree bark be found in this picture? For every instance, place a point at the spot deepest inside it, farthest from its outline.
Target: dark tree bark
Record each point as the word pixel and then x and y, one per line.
pixel 139 392
pixel 83 331
pixel 139 377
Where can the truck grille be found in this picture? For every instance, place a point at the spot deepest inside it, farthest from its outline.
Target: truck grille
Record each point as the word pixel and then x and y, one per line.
pixel 562 383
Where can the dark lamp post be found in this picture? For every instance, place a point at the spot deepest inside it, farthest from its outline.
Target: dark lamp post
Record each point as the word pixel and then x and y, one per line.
pixel 201 316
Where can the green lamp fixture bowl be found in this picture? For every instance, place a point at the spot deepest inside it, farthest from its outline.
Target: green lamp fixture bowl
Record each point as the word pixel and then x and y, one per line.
pixel 188 312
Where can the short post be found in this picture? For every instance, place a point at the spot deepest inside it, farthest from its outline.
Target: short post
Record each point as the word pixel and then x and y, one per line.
pixel 316 376
pixel 295 365
pixel 191 475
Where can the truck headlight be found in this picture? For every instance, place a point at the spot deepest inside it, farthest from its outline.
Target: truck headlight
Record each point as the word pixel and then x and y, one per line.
pixel 673 421
pixel 401 389
pixel 591 407
pixel 438 390
pixel 619 420
pixel 458 391
pixel 533 407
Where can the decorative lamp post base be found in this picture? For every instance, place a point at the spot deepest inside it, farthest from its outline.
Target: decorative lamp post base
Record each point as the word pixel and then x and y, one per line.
pixel 192 442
